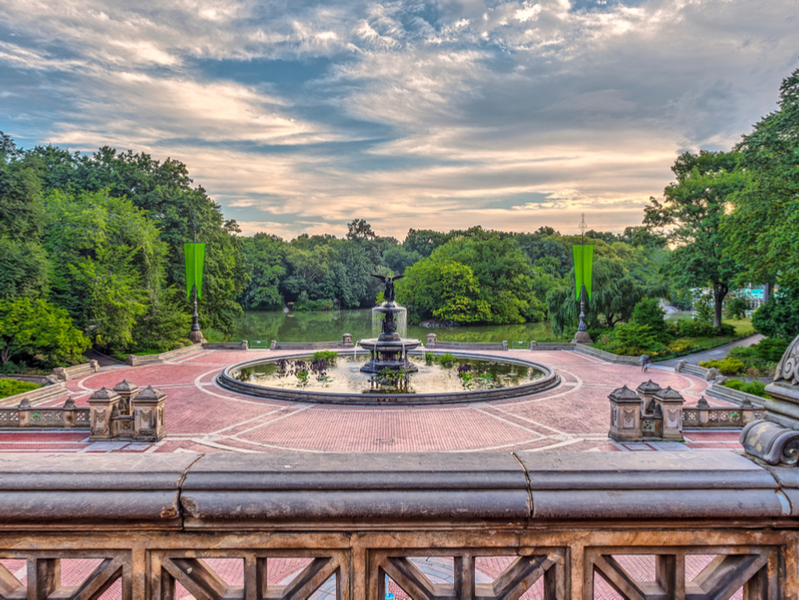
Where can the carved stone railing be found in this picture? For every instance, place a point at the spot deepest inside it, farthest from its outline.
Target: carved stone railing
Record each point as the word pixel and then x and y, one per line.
pixel 37 396
pixel 243 345
pixel 707 417
pixel 619 359
pixel 432 343
pixel 696 370
pixel 347 342
pixel 552 346
pixel 25 415
pixel 134 360
pixel 562 524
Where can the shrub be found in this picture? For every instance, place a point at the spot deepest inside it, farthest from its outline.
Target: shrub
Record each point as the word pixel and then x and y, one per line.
pixel 649 312
pixel 753 387
pixel 736 307
pixel 327 356
pixel 445 360
pixel 9 387
pixel 703 329
pixel 633 339
pixel 771 349
pixel 430 357
pixel 681 345
pixel 726 366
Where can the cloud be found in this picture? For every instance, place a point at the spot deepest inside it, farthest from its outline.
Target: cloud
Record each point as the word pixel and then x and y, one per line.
pixel 297 116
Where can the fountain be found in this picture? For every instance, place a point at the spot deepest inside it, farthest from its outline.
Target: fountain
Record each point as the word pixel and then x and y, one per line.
pixel 388 350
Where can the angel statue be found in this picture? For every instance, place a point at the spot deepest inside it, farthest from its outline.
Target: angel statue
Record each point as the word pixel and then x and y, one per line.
pixel 388 285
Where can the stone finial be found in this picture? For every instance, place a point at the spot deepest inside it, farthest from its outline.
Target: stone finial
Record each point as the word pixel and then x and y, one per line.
pixel 104 394
pixel 648 387
pixel 150 394
pixel 703 403
pixel 25 403
pixel 125 387
pixel 669 395
pixel 624 395
pixel 70 404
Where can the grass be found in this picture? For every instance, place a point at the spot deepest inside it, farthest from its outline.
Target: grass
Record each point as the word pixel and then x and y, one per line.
pixel 10 387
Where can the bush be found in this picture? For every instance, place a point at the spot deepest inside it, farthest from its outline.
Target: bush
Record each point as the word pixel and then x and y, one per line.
pixel 753 387
pixel 736 307
pixel 726 366
pixel 681 345
pixel 633 339
pixel 9 387
pixel 697 328
pixel 771 349
pixel 777 318
pixel 329 357
pixel 445 360
pixel 430 358
pixel 649 312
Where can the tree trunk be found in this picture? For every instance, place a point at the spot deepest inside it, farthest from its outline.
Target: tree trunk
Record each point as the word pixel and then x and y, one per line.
pixel 768 289
pixel 720 291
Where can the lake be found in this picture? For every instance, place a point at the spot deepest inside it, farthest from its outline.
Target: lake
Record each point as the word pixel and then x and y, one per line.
pixel 259 328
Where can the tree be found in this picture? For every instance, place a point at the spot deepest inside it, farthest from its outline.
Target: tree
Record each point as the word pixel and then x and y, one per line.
pixel 36 326
pixel 777 318
pixel 263 255
pixel 359 229
pixel 691 217
pixel 761 230
pixel 648 312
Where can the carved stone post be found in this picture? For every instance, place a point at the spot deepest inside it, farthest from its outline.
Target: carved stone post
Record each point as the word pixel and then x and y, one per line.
pixel 533 345
pixel 94 366
pixel 626 415
pixel 148 415
pixel 431 341
pixel 671 403
pixel 347 340
pixel 127 391
pixel 748 411
pixel 775 438
pixel 702 404
pixel 69 413
pixel 101 404
pixel 646 390
pixel 24 409
pixel 505 344
pixel 273 345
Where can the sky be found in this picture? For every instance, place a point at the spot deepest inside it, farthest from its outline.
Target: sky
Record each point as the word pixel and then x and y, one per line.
pixel 300 116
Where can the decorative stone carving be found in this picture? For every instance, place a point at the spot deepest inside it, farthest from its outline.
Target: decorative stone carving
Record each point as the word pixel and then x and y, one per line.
pixel 102 404
pixel 626 411
pixel 670 403
pixel 430 342
pixel 127 391
pixel 148 415
pixel 775 439
pixel 347 340
pixel 647 389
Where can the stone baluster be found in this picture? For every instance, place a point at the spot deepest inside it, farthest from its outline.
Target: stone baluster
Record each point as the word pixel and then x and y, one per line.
pixel 69 413
pixel 431 341
pixel 101 404
pixel 127 391
pixel 148 415
pixel 671 404
pixel 24 409
pixel 702 404
pixel 347 340
pixel 626 415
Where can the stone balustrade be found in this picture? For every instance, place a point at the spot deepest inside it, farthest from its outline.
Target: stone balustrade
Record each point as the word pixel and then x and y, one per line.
pixel 27 415
pixel 67 373
pixel 134 360
pixel 347 342
pixel 37 396
pixel 696 370
pixel 243 345
pixel 431 343
pixel 561 523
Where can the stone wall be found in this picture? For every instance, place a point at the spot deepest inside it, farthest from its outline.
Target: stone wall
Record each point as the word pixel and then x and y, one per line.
pixel 564 520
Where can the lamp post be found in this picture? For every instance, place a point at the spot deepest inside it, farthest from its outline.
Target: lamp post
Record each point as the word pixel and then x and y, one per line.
pixel 583 274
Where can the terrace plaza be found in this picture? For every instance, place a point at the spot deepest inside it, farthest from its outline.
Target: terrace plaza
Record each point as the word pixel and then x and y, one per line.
pixel 202 417
pixel 528 497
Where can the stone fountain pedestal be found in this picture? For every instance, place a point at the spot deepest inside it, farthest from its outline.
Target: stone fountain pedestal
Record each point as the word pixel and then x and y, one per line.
pixel 389 350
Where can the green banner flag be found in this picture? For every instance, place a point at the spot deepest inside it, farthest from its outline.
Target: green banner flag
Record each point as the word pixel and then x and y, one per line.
pixel 195 255
pixel 583 255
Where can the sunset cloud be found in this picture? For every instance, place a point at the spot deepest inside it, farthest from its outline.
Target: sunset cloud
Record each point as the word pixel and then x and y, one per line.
pixel 301 116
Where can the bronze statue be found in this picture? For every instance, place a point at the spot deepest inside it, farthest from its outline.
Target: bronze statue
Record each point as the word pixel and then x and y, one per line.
pixel 388 285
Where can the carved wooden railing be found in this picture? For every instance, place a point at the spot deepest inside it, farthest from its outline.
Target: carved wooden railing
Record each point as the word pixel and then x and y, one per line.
pixel 560 525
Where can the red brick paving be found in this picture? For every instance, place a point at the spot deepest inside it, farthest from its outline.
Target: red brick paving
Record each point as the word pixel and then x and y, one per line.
pixel 202 417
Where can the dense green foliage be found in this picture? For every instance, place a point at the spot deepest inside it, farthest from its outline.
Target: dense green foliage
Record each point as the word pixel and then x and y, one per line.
pixel 11 387
pixel 755 388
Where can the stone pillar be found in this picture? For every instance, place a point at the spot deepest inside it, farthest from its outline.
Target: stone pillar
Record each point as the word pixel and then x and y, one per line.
pixel 431 341
pixel 702 404
pixel 126 392
pixel 680 365
pixel 94 366
pixel 347 340
pixel 505 344
pixel 273 345
pixel 646 390
pixel 148 415
pixel 69 413
pixel 626 415
pixel 60 373
pixel 533 345
pixel 101 404
pixel 245 345
pixel 747 411
pixel 24 409
pixel 671 404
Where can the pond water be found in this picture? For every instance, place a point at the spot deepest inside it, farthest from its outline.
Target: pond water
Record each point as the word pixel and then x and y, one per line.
pixel 261 327
pixel 344 377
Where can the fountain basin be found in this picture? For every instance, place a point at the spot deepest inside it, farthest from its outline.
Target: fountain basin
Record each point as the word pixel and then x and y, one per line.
pixel 545 379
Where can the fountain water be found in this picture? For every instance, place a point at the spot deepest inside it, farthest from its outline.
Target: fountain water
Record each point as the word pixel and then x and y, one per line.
pixel 389 350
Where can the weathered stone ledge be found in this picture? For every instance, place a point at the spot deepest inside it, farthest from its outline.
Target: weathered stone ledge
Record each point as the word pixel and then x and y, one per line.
pixel 234 491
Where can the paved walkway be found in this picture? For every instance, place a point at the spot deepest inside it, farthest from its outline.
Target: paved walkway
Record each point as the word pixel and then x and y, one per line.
pixel 715 353
pixel 201 417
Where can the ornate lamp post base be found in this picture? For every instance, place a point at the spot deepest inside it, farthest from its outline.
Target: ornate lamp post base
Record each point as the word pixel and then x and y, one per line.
pixel 195 335
pixel 582 336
